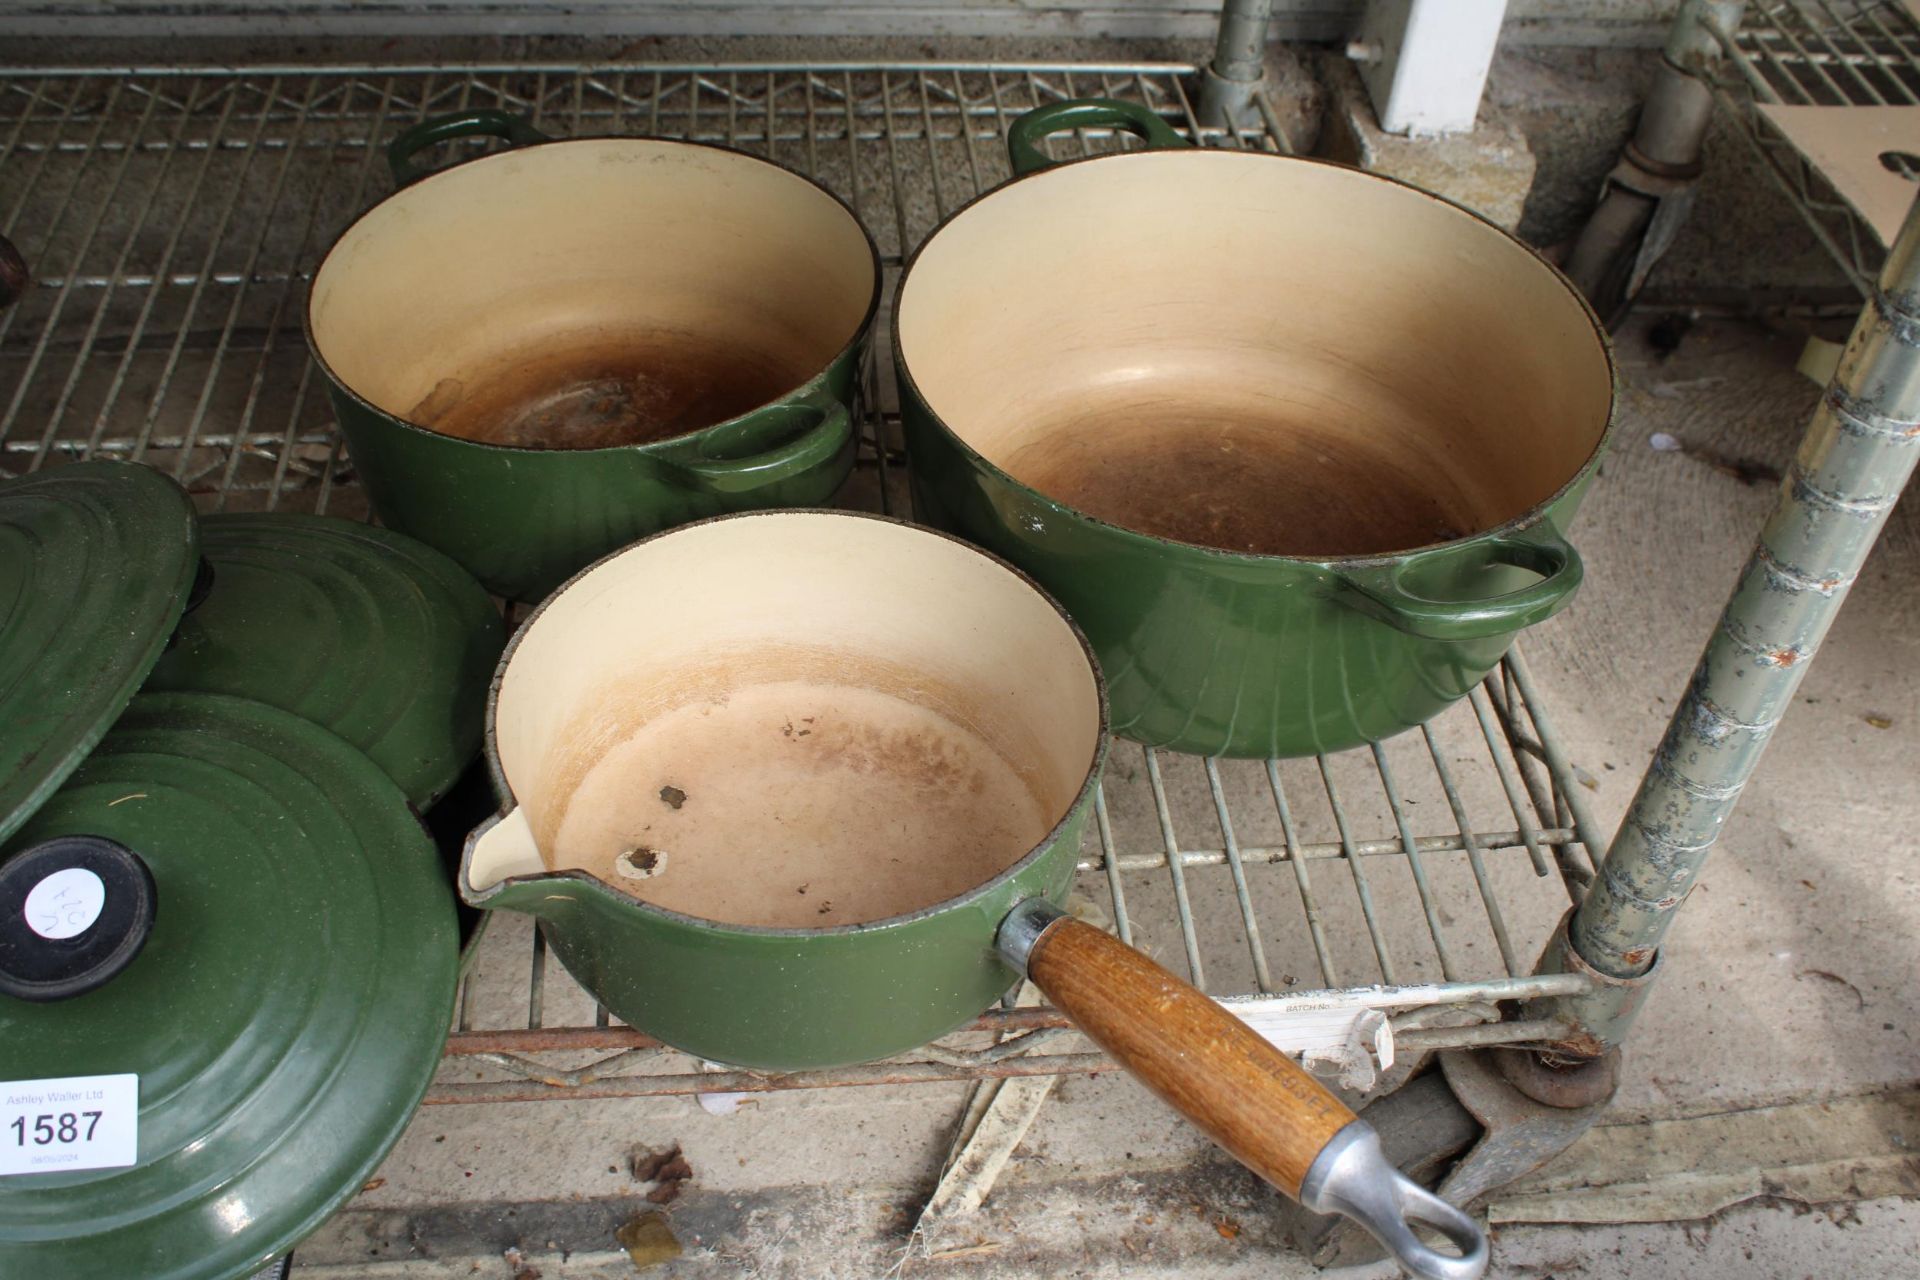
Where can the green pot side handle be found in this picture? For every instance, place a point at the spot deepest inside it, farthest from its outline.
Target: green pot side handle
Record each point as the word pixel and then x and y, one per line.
pixel 778 440
pixel 1383 594
pixel 1030 130
pixel 480 123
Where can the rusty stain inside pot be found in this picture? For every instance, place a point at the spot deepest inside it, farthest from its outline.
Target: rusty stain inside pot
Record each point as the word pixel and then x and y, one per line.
pixel 1240 480
pixel 633 389
pixel 818 804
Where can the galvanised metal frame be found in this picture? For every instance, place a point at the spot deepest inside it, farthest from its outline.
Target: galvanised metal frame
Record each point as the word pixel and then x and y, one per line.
pixel 148 320
pixel 1831 53
pixel 172 215
pixel 1858 454
pixel 1231 81
pixel 1650 189
pixel 1738 55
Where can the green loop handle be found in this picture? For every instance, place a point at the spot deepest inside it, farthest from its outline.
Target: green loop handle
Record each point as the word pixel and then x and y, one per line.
pixel 1027 133
pixel 481 123
pixel 1382 595
pixel 824 428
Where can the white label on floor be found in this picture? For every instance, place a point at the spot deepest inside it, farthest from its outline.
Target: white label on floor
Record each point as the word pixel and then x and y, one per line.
pixel 1338 1031
pixel 63 1126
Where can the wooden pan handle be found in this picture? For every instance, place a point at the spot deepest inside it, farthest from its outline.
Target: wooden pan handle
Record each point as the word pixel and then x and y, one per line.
pixel 1211 1067
pixel 1239 1090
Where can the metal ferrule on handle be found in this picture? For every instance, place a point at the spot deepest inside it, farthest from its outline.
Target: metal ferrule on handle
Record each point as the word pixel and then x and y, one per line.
pixel 1021 930
pixel 1238 1089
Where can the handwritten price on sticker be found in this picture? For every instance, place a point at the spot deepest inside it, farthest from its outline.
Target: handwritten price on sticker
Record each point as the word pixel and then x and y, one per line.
pixel 64 914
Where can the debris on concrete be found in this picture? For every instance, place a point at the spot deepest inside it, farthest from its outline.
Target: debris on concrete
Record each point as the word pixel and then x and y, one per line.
pixel 522 1269
pixel 666 1170
pixel 648 1240
pixel 1746 470
pixel 966 1251
pixel 992 1126
pixel 1836 980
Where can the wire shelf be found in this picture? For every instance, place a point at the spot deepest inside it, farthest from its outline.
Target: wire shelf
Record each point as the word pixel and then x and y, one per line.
pixel 171 216
pixel 1825 53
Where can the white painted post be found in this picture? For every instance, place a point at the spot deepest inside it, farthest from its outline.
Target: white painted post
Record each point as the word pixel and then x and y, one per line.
pixel 1425 61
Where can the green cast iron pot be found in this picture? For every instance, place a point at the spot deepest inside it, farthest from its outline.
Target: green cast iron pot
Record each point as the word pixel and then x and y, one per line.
pixel 715 261
pixel 1099 267
pixel 892 606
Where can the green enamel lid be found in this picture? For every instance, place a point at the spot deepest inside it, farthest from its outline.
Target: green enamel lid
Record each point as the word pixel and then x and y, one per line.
pixel 283 1017
pixel 95 562
pixel 379 638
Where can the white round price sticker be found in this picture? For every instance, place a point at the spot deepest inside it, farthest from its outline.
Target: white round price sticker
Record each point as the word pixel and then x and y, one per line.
pixel 66 903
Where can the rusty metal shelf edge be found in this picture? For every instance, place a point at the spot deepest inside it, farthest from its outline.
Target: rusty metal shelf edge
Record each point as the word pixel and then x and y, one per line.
pixel 1015 1032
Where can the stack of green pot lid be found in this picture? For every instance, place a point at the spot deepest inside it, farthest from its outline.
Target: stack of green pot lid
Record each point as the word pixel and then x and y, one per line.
pixel 381 639
pixel 227 945
pixel 243 958
pixel 95 564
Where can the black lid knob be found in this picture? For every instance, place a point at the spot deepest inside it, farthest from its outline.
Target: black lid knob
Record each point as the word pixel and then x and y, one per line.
pixel 74 911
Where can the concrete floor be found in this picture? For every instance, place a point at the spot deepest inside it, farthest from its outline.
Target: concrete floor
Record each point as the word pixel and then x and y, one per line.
pixel 1788 978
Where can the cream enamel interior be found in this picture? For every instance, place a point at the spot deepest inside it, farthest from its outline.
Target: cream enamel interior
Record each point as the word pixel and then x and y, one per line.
pixel 865 617
pixel 1301 296
pixel 582 243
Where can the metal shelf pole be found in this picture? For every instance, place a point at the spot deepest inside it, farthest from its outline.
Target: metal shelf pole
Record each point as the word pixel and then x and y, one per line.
pixel 1650 191
pixel 1229 83
pixel 1859 452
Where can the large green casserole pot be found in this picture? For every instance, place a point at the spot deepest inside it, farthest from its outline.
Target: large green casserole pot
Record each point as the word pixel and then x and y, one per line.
pixel 1295 444
pixel 545 353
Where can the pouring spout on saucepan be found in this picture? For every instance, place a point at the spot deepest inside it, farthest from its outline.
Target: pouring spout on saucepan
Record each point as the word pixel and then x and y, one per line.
pixel 501 865
pixel 1246 1095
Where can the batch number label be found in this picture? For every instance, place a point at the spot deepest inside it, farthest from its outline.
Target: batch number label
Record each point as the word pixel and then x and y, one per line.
pixel 71 1124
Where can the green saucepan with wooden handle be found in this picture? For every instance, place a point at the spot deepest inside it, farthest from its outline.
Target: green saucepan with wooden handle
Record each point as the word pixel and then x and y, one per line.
pixel 803 788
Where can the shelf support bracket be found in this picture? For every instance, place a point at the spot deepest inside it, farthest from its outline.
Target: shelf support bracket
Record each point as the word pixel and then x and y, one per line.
pixel 1229 82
